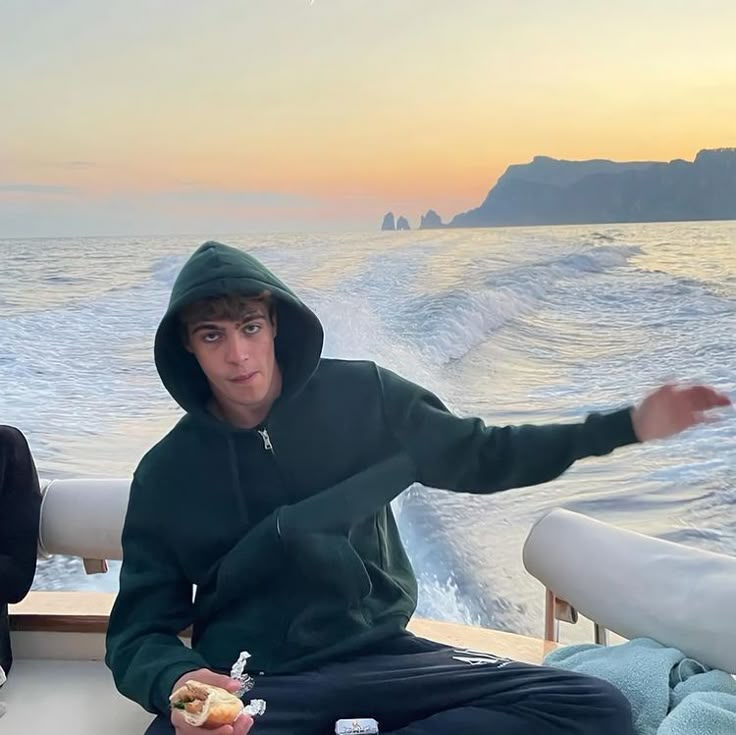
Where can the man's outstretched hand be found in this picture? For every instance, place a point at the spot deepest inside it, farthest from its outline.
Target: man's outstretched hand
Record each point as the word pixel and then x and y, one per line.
pixel 674 408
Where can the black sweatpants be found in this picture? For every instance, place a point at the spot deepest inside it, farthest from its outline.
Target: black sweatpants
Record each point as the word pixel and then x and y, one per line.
pixel 413 686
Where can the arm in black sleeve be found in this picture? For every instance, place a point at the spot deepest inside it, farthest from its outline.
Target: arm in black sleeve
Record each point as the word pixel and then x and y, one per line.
pixel 464 454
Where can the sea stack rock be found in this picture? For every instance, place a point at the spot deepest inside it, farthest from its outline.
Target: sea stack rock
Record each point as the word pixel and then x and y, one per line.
pixel 430 221
pixel 388 222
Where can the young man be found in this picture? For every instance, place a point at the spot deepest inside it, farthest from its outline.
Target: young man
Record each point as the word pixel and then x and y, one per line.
pixel 271 498
pixel 20 504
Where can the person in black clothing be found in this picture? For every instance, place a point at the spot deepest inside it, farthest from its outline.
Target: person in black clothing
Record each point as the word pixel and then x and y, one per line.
pixel 20 505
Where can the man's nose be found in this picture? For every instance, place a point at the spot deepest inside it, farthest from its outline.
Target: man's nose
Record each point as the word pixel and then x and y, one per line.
pixel 237 350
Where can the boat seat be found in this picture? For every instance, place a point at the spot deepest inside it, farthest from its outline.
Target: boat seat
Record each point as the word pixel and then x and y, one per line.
pixel 59 671
pixel 67 698
pixel 83 518
pixel 635 585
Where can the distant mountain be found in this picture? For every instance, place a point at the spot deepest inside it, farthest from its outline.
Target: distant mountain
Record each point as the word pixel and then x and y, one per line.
pixel 551 192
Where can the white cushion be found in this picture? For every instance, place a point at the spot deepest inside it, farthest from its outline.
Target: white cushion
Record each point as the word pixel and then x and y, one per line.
pixel 67 698
pixel 639 586
pixel 83 518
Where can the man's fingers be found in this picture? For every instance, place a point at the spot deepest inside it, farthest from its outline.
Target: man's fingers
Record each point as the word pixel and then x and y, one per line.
pixel 242 725
pixel 711 397
pixel 220 680
pixel 230 685
pixel 704 397
pixel 723 400
pixel 183 728
pixel 205 676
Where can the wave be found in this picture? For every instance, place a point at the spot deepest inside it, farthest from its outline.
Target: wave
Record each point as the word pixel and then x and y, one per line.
pixel 164 270
pixel 366 312
pixel 451 587
pixel 446 326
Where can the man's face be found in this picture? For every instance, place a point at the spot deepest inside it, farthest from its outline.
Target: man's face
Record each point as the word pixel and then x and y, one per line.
pixel 239 360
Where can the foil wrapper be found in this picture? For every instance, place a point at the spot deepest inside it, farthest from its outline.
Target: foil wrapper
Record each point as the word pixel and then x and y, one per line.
pixel 238 672
pixel 255 707
pixel 360 725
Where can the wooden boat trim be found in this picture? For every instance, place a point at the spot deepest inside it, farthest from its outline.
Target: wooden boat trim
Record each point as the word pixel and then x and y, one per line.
pixel 88 612
pixel 63 612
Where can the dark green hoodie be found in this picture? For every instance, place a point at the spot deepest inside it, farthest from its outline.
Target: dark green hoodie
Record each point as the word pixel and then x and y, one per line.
pixel 291 544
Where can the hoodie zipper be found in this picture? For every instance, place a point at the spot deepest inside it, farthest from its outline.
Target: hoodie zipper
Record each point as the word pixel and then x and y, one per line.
pixel 263 433
pixel 282 473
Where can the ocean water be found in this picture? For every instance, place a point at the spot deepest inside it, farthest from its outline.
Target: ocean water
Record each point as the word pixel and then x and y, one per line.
pixel 513 325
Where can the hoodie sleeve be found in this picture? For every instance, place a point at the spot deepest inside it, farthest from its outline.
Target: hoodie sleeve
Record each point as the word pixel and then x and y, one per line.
pixel 463 454
pixel 153 606
pixel 20 505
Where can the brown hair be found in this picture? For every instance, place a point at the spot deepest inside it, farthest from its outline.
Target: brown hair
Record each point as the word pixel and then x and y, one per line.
pixel 231 307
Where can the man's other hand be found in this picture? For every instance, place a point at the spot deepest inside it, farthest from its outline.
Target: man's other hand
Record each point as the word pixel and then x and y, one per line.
pixel 674 408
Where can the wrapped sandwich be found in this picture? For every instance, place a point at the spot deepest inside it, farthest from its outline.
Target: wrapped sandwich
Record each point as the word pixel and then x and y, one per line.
pixel 204 705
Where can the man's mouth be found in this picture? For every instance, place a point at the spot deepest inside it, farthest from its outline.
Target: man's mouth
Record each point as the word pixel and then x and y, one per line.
pixel 244 378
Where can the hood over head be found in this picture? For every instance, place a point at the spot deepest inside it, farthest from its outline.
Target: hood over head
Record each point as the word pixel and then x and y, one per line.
pixel 215 270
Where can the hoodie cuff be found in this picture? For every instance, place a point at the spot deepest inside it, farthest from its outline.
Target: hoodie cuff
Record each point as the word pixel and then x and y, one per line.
pixel 611 431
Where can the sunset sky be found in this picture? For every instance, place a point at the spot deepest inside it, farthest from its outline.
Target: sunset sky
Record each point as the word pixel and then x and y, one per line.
pixel 186 116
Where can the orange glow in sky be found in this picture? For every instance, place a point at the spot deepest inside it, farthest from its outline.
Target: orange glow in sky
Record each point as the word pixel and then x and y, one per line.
pixel 286 114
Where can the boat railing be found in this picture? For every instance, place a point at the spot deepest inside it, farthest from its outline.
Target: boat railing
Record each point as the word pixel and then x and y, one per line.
pixel 634 585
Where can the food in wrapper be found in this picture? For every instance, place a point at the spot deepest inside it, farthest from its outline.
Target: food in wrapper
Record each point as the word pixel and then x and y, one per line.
pixel 361 725
pixel 206 706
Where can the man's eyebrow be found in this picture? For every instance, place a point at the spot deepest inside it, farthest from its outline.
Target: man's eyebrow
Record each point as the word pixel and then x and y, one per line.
pixel 206 325
pixel 251 316
pixel 211 326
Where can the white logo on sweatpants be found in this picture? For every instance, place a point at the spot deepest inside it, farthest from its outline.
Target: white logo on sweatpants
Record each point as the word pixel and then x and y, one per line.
pixel 480 658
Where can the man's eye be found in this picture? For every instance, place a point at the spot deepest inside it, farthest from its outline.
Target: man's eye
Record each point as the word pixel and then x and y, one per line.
pixel 251 328
pixel 210 337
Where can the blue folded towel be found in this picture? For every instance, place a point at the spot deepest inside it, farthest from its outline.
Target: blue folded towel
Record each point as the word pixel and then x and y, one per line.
pixel 702 713
pixel 670 694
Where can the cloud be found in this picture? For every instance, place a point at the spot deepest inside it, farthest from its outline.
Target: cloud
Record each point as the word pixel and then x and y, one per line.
pixel 12 188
